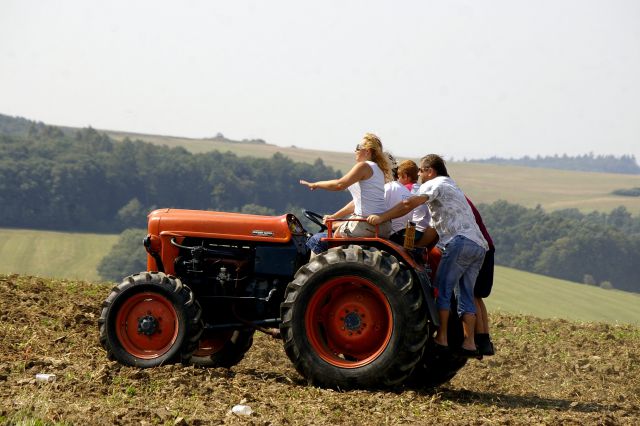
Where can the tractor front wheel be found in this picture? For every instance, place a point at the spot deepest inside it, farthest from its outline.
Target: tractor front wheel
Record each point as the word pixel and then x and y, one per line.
pixel 150 319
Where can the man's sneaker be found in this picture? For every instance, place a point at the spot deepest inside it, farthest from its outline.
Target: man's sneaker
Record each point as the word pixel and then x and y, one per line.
pixel 485 346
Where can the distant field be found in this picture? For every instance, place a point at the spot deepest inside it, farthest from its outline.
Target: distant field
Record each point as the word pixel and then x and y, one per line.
pixel 484 183
pixel 552 189
pixel 338 160
pixel 76 256
pixel 544 297
pixel 53 254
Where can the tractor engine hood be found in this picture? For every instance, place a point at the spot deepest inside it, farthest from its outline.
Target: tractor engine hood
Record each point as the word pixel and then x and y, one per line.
pixel 220 225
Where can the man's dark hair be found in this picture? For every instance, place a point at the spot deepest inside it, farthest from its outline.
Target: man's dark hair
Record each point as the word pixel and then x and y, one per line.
pixel 435 162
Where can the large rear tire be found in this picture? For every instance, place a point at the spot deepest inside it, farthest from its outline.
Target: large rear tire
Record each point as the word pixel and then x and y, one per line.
pixel 150 319
pixel 354 318
pixel 222 348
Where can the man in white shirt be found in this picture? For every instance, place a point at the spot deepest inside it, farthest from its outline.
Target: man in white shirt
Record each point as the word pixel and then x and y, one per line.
pixel 461 242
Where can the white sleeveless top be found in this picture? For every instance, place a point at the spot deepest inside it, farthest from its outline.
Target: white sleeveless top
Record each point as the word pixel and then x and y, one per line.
pixel 368 194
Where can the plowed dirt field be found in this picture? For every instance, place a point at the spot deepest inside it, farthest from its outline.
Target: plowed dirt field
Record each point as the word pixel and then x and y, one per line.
pixel 545 372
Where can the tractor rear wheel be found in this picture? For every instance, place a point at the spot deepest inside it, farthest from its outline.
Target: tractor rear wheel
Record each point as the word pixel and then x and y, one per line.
pixel 354 317
pixel 150 319
pixel 222 348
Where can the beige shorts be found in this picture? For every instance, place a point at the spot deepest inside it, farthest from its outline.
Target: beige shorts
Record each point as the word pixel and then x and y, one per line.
pixel 363 229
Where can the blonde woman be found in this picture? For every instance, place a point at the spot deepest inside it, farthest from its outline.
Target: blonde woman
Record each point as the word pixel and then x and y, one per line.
pixel 365 181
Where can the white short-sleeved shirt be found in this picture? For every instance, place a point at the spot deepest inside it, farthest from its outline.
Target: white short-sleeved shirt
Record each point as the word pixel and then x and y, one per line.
pixel 394 193
pixel 450 211
pixel 421 216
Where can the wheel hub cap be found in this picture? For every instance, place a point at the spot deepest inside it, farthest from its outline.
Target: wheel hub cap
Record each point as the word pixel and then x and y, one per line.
pixel 147 325
pixel 352 321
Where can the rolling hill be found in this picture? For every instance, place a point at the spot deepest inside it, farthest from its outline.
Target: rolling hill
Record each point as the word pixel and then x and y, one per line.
pixel 484 183
pixel 75 256
pixel 522 292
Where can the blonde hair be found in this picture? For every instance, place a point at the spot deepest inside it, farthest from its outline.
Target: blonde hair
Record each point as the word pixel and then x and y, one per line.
pixel 372 142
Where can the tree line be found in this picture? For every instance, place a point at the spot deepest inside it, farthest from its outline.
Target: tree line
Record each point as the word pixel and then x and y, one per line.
pixel 84 181
pixel 595 248
pixel 625 164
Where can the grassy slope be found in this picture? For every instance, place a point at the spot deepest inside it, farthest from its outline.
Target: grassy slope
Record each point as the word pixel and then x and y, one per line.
pixel 75 256
pixel 53 254
pixel 553 189
pixel 526 293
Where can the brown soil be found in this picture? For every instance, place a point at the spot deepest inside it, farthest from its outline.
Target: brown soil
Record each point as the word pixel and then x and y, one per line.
pixel 545 372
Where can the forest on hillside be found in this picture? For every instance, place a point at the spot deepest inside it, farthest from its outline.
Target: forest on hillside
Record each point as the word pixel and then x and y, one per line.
pixel 84 181
pixel 595 248
pixel 625 164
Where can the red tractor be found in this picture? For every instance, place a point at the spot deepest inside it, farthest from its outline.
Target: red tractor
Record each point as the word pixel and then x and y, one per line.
pixel 361 315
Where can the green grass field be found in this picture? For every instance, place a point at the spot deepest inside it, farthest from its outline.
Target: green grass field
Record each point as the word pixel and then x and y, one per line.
pixel 483 183
pixel 76 256
pixel 53 254
pixel 544 297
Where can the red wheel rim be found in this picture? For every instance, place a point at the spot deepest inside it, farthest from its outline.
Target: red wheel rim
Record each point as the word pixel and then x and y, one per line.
pixel 157 314
pixel 212 342
pixel 349 322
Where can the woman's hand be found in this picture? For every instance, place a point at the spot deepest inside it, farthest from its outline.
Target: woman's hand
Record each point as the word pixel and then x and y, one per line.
pixel 374 219
pixel 310 185
pixel 327 217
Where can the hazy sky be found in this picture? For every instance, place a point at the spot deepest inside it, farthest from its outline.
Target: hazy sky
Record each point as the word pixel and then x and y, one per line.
pixel 461 78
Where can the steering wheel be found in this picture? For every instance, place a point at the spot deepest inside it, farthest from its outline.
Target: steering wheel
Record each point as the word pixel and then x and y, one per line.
pixel 315 218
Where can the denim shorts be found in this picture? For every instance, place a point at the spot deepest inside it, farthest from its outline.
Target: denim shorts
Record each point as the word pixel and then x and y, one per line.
pixel 457 272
